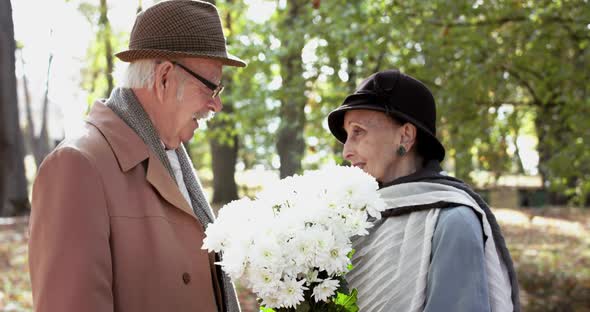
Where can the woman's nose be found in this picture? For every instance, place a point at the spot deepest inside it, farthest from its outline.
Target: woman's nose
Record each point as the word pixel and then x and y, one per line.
pixel 347 151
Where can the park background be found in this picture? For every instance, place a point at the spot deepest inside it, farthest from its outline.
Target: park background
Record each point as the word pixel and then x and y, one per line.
pixel 510 77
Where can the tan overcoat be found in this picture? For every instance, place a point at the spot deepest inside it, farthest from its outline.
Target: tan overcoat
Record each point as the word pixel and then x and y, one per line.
pixel 110 230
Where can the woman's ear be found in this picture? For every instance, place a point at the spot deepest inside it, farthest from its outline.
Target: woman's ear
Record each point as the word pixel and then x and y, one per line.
pixel 408 133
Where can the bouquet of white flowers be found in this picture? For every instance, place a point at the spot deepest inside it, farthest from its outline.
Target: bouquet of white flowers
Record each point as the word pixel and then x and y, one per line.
pixel 292 244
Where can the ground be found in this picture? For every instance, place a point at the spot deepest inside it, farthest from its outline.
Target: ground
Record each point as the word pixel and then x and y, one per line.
pixel 550 248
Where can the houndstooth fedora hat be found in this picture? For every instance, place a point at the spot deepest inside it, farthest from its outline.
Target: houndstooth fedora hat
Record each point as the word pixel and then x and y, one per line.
pixel 177 29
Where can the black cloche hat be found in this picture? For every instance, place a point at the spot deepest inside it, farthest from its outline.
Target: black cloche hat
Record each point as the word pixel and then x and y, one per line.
pixel 401 96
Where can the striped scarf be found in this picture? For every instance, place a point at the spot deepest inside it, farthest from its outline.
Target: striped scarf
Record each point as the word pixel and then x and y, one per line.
pixel 126 105
pixel 404 237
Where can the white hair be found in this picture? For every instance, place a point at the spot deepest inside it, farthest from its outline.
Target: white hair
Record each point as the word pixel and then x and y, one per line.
pixel 141 74
pixel 137 74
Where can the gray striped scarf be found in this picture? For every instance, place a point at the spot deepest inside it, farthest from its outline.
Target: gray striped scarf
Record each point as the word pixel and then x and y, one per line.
pixel 391 264
pixel 126 105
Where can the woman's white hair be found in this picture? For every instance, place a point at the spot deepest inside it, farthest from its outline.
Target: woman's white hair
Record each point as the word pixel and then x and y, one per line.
pixel 140 74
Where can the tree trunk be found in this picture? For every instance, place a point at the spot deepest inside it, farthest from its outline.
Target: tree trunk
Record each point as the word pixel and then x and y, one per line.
pixel 6 95
pixel 42 142
pixel 352 72
pixel 38 146
pixel 462 157
pixel 30 128
pixel 13 185
pixel 548 131
pixel 106 33
pixel 291 143
pixel 224 155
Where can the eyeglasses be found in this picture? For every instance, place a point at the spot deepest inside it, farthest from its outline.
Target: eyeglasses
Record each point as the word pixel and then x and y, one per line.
pixel 217 89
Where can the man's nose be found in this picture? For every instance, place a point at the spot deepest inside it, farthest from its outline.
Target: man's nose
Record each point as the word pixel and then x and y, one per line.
pixel 215 104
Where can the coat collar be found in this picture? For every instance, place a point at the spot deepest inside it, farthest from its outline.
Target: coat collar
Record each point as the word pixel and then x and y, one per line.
pixel 130 151
pixel 129 148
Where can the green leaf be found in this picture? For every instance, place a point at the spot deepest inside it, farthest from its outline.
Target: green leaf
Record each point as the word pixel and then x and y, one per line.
pixel 347 303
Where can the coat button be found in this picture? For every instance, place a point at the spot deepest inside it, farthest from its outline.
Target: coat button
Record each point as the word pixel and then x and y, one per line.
pixel 186 278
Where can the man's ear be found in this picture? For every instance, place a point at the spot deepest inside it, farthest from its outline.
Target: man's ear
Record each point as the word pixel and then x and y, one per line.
pixel 162 75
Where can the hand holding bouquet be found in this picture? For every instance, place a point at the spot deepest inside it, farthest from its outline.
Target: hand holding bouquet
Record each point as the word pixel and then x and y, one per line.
pixel 292 244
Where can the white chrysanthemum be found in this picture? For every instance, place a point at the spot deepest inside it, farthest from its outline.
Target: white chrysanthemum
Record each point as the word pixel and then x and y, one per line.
pixel 331 253
pixel 296 230
pixel 336 260
pixel 291 221
pixel 325 290
pixel 356 224
pixel 281 195
pixel 272 301
pixel 302 252
pixel 375 206
pixel 267 253
pixel 291 292
pixel 263 282
pixel 321 240
pixel 216 236
pixel 234 260
pixel 236 222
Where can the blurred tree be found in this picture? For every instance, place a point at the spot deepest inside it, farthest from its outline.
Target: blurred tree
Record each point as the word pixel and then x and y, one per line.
pixel 491 65
pixel 223 143
pixel 498 69
pixel 98 75
pixel 13 184
pixel 237 133
pixel 6 95
pixel 105 34
pixel 487 63
pixel 293 20
pixel 527 57
pixel 38 145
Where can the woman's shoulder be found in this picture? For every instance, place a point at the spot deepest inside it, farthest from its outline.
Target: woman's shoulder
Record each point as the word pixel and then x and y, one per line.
pixel 458 224
pixel 459 215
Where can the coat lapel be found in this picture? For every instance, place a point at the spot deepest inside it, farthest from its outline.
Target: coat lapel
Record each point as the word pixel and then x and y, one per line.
pixel 160 179
pixel 131 151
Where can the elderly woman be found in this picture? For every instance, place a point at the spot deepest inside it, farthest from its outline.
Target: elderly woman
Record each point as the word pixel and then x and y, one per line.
pixel 438 246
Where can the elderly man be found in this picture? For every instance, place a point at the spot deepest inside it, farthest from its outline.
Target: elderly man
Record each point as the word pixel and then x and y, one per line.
pixel 118 213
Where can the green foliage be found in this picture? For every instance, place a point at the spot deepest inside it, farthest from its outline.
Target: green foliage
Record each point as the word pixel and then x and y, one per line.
pixel 345 302
pixel 342 302
pixel 95 75
pixel 498 70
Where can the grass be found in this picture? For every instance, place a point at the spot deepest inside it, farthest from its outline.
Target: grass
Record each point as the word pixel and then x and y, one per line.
pixel 550 247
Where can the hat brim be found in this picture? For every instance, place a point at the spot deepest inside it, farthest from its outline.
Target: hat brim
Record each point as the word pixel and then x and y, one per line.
pixel 133 55
pixel 432 146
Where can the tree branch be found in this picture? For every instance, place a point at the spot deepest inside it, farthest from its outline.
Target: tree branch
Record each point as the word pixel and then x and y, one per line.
pixel 499 103
pixel 524 82
pixel 504 20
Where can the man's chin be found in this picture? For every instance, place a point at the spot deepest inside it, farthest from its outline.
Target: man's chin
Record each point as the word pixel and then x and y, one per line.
pixel 188 138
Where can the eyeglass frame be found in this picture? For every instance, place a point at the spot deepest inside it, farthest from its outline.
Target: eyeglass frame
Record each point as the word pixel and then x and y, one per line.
pixel 217 89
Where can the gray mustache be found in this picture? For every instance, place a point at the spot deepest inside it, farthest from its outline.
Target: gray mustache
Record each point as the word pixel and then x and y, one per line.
pixel 204 117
